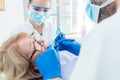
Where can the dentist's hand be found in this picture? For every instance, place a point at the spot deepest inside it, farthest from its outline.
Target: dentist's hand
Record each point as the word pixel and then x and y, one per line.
pixel 61 43
pixel 59 37
pixel 69 45
pixel 48 64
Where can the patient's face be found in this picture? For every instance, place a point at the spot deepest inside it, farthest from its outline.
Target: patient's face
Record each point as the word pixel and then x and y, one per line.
pixel 32 47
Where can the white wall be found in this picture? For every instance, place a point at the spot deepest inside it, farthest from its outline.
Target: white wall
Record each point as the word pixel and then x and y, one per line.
pixel 12 16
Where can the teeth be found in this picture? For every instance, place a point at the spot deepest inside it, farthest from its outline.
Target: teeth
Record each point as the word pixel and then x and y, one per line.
pixel 37 46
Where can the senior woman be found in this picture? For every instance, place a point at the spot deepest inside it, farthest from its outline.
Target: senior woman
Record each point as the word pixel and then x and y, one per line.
pixel 17 59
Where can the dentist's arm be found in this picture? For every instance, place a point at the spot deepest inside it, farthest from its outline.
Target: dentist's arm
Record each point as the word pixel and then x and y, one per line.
pixel 48 64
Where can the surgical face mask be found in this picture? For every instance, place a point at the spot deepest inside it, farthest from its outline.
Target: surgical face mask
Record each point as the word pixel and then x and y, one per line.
pixel 93 11
pixel 38 16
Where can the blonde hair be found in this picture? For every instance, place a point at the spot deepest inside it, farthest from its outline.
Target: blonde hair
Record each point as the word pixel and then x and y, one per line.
pixel 13 64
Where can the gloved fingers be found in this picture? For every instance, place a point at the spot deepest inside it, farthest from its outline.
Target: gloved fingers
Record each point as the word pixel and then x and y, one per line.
pixel 65 40
pixel 59 37
pixel 62 41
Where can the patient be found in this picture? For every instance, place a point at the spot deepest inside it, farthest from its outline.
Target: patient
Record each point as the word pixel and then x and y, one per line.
pixel 17 55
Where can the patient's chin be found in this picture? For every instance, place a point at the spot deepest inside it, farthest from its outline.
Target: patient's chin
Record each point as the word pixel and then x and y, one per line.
pixel 35 69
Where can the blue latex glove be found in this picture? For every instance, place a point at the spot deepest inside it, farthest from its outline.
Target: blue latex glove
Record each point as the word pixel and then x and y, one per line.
pixel 69 45
pixel 48 64
pixel 59 37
